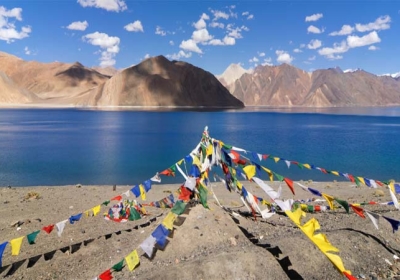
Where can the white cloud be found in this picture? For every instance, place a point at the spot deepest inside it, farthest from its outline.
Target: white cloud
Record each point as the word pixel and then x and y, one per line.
pixel 314 44
pixel 201 36
pixel 236 32
pixel 78 25
pixel 331 53
pixel 346 30
pixel 171 43
pixel 219 14
pixel 380 23
pixel 314 17
pixel 8 31
pixel 369 39
pixel 215 24
pixel 226 41
pixel 254 59
pixel 261 54
pixel 27 51
pixel 267 61
pixel 146 56
pixel 297 51
pixel 283 57
pixel 108 44
pixel 200 24
pixel 250 16
pixel 135 26
pixel 179 55
pixel 109 5
pixel 216 42
pixel 373 48
pixel 314 29
pixel 190 45
pixel 160 31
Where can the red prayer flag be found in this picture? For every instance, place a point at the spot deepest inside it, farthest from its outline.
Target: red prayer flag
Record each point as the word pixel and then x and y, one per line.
pixel 323 171
pixel 349 276
pixel 265 157
pixel 168 172
pixel 117 198
pixel 48 229
pixel 379 183
pixel 372 202
pixel 236 156
pixel 358 210
pixel 106 275
pixel 351 178
pixel 185 194
pixel 289 183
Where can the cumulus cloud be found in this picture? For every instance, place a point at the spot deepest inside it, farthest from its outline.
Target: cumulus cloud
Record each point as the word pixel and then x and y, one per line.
pixel 179 55
pixel 314 29
pixel 346 30
pixel 226 41
pixel 369 39
pixel 219 14
pixel 8 31
pixel 297 51
pixel 27 51
pixel 236 32
pixel 373 48
pixel 135 26
pixel 332 53
pixel 201 36
pixel 215 24
pixel 201 23
pixel 250 16
pixel 109 46
pixel 253 60
pixel 190 45
pixel 314 17
pixel 78 25
pixel 160 31
pixel 261 54
pixel 314 44
pixel 380 23
pixel 109 5
pixel 146 56
pixel 267 61
pixel 283 57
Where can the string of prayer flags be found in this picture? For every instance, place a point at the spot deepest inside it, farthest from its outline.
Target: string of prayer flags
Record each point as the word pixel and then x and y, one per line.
pixel 132 260
pixel 48 228
pixel 32 237
pixel 16 245
pixel 75 218
pixel 2 247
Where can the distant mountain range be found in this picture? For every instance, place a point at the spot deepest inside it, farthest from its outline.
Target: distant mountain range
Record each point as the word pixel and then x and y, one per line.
pixel 154 82
pixel 158 81
pixel 285 85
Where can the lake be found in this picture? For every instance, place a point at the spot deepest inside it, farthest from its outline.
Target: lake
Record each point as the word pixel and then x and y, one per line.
pixel 72 146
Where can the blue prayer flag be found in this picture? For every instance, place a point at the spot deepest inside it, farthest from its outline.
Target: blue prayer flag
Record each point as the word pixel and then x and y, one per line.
pixel 2 247
pixel 136 191
pixel 147 185
pixel 160 234
pixel 75 218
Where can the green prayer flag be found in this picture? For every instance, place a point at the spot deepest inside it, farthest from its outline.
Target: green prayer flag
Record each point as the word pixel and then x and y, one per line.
pixel 203 196
pixel 279 177
pixel 344 204
pixel 119 266
pixel 310 208
pixel 300 165
pixel 32 237
pixel 226 146
pixel 173 168
pixel 134 215
pixel 179 207
pixel 106 202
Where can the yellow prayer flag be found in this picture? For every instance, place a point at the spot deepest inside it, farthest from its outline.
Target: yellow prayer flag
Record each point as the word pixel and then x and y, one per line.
pixel 16 245
pixel 87 213
pixel 276 159
pixel 303 207
pixel 96 210
pixel 295 216
pixel 270 174
pixel 391 186
pixel 169 220
pixel 306 165
pixel 329 199
pixel 250 171
pixel 335 173
pixel 196 160
pixel 132 260
pixel 209 150
pixel 239 185
pixel 323 243
pixel 142 192
pixel 361 180
pixel 180 162
pixel 337 261
pixel 310 227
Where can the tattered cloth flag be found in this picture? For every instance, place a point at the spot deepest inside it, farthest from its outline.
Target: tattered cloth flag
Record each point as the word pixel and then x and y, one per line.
pixel 148 245
pixel 16 245
pixel 48 228
pixel 203 195
pixel 75 218
pixel 60 227
pixel 106 275
pixel 394 223
pixel 374 218
pixel 169 220
pixel 2 247
pixel 132 260
pixel 118 266
pixel 179 207
pixel 32 237
pixel 160 234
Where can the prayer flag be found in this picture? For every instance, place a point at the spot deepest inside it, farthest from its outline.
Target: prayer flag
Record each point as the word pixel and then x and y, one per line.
pixel 105 203
pixel 315 192
pixel 250 171
pixel 106 275
pixel 134 215
pixel 358 210
pixel 374 218
pixel 118 266
pixel 185 194
pixel 48 228
pixel 179 207
pixel 169 220
pixel 117 198
pixel 96 210
pixel 2 247
pixel 203 195
pixel 75 218
pixel 136 191
pixel 329 199
pixel 160 234
pixel 148 245
pixel 142 192
pixel 16 245
pixel 287 163
pixel 60 227
pixel 394 223
pixel 147 185
pixel 31 238
pixel 132 260
pixel 289 183
pixel 344 204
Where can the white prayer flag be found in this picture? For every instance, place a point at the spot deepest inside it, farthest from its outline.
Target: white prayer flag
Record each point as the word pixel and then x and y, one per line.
pixel 148 245
pixel 60 227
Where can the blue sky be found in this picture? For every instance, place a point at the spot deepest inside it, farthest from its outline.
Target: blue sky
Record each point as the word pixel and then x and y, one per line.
pixel 209 34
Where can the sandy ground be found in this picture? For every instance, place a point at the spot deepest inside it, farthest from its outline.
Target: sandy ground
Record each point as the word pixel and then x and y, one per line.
pixel 205 244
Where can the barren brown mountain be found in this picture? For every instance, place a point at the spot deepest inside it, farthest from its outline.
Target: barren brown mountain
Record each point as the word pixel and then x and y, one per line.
pixel 11 94
pixel 285 85
pixel 108 71
pixel 160 82
pixel 50 80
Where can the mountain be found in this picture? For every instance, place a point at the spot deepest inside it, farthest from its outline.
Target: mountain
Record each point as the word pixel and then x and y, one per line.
pixel 232 73
pixel 285 85
pixel 11 94
pixel 159 82
pixel 107 71
pixel 50 80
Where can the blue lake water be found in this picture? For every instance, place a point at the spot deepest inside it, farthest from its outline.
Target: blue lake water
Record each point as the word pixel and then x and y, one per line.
pixel 59 147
